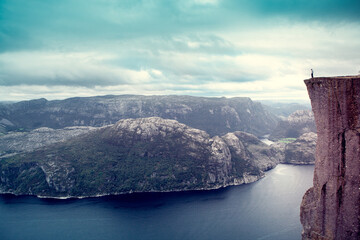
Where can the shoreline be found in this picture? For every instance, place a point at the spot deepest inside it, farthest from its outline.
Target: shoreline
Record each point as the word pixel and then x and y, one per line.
pixel 255 179
pixel 244 180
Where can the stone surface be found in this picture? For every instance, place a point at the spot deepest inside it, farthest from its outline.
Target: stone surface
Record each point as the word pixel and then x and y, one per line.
pixel 279 149
pixel 257 152
pixel 302 150
pixel 15 143
pixel 331 208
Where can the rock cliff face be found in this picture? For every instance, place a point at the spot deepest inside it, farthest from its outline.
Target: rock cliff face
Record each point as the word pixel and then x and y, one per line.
pixel 252 150
pixel 137 155
pixel 331 208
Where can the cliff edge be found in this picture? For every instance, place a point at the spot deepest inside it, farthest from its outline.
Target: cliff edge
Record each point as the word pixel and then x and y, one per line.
pixel 331 208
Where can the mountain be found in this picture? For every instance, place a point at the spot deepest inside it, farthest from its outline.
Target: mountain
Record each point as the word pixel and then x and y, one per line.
pixel 296 151
pixel 217 116
pixel 302 150
pixel 284 110
pixel 137 155
pixel 298 123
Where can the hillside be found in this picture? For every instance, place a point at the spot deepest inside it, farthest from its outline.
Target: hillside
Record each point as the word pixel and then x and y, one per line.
pixel 18 142
pixel 298 123
pixel 137 155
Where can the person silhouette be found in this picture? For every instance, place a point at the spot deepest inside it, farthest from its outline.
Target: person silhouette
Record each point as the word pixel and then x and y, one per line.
pixel 312 73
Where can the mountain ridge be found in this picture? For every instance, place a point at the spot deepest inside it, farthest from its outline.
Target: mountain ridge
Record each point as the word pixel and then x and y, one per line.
pixel 217 116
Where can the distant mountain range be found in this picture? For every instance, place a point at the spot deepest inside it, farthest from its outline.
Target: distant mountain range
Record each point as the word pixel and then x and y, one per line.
pixel 283 110
pixel 298 123
pixel 217 116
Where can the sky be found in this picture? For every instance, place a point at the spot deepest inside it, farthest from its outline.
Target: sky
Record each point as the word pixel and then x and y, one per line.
pixel 262 49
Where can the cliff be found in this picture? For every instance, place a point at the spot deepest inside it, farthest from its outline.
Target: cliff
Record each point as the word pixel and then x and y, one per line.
pixel 136 155
pixel 331 208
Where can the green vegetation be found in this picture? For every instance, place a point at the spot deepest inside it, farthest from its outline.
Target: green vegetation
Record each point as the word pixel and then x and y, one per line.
pixel 110 161
pixel 92 165
pixel 287 140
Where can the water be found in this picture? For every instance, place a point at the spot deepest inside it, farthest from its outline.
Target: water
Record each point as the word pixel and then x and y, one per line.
pixel 267 209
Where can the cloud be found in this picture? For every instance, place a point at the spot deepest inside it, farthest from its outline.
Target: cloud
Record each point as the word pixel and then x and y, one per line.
pixel 254 48
pixel 36 24
pixel 67 69
pixel 320 10
pixel 261 65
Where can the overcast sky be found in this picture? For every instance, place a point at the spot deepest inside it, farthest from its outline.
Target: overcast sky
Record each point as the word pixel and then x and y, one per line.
pixel 262 49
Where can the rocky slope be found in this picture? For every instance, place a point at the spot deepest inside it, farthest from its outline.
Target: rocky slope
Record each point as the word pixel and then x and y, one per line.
pixel 17 142
pixel 298 123
pixel 246 146
pixel 331 208
pixel 137 155
pixel 302 150
pixel 217 116
pixel 297 151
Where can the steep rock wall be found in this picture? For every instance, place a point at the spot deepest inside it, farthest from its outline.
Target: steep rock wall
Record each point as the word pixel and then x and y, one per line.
pixel 330 209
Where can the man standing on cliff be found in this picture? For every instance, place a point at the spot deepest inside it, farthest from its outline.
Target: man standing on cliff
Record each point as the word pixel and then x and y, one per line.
pixel 312 73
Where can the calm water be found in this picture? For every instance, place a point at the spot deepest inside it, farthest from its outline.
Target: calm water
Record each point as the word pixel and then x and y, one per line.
pixel 267 209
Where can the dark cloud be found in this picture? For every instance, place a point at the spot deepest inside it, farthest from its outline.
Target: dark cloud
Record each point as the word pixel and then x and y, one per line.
pixel 35 24
pixel 320 10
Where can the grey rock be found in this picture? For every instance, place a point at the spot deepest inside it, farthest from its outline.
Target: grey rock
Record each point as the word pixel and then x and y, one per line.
pixel 298 123
pixel 279 149
pixel 301 151
pixel 251 150
pixel 15 143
